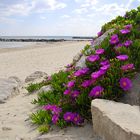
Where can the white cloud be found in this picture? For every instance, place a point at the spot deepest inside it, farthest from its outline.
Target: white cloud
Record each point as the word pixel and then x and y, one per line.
pixel 65 16
pixel 43 17
pixel 81 10
pixel 26 7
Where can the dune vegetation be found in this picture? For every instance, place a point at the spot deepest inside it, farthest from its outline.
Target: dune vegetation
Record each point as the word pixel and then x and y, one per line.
pixel 110 68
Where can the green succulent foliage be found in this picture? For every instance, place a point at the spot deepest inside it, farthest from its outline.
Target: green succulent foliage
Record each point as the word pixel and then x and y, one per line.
pixel 34 87
pixel 109 81
pixel 138 18
pixel 41 117
pixel 135 54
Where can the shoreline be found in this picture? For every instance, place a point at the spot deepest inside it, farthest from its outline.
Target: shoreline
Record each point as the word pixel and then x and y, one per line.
pixel 46 57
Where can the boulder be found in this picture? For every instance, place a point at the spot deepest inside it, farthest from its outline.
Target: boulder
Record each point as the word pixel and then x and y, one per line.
pixel 115 121
pixel 9 88
pixel 45 89
pixel 100 39
pixel 80 63
pixel 36 76
pixel 77 57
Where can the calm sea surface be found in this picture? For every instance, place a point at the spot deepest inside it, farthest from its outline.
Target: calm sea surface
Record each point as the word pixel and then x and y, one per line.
pixel 25 44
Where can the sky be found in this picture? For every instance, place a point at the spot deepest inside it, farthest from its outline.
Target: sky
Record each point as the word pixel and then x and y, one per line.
pixel 59 17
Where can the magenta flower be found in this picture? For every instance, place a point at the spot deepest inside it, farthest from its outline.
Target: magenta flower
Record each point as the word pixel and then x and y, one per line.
pixel 96 91
pixel 93 58
pixel 81 72
pixel 92 42
pixel 67 91
pixel 127 67
pixel 49 78
pixel 77 119
pixel 68 116
pixel 104 62
pixel 55 109
pixel 125 31
pixel 119 45
pixel 122 57
pixel 99 51
pixel 125 84
pixel 75 93
pixel 71 84
pixel 99 34
pixel 55 118
pixel 86 83
pixel 97 74
pixel 129 26
pixel 114 39
pixel 128 43
pixel 105 67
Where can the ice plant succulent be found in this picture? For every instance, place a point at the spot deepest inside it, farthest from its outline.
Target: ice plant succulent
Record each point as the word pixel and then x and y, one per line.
pixel 93 58
pixel 129 26
pixel 114 39
pixel 104 62
pixel 105 67
pixel 86 83
pixel 81 72
pixel 96 92
pixel 122 57
pixel 125 31
pixel 127 67
pixel 71 84
pixel 128 43
pixel 125 84
pixel 99 33
pixel 67 91
pixel 97 74
pixel 99 51
pixel 68 116
pixel 75 93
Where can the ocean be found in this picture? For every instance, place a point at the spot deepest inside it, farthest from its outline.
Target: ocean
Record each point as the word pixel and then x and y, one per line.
pixel 17 44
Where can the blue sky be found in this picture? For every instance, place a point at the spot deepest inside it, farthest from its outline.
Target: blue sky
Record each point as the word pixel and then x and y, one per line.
pixel 59 17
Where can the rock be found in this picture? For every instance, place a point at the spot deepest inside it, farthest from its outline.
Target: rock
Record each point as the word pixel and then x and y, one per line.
pixel 81 63
pixel 77 57
pixel 45 89
pixel 133 97
pixel 8 88
pixel 36 76
pixel 100 39
pixel 115 121
pixel 6 128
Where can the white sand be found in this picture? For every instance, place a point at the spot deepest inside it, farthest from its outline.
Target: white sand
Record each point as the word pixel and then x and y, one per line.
pixel 47 57
pixel 14 124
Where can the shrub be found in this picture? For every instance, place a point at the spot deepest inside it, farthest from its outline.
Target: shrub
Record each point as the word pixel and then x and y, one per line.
pixel 108 73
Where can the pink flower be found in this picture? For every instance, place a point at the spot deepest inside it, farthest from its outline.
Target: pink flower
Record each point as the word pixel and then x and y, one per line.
pixel 99 34
pixel 104 62
pixel 81 72
pixel 99 51
pixel 125 84
pixel 125 31
pixel 129 26
pixel 67 91
pixel 127 67
pixel 71 84
pixel 75 93
pixel 86 83
pixel 114 39
pixel 97 74
pixel 96 91
pixel 128 43
pixel 122 57
pixel 93 58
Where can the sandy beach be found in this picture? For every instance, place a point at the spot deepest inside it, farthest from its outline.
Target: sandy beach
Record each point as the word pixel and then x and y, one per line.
pixel 47 57
pixel 21 62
